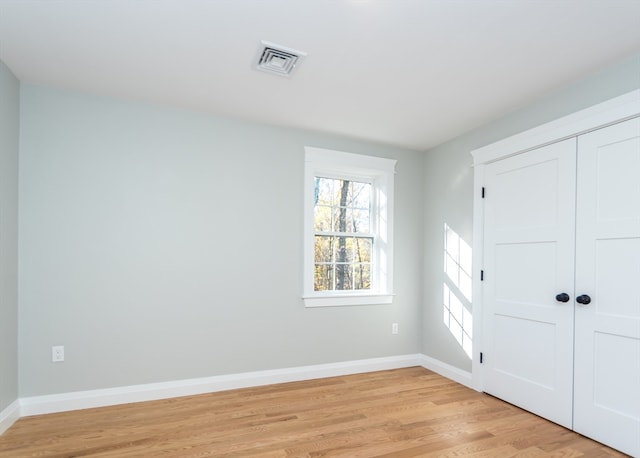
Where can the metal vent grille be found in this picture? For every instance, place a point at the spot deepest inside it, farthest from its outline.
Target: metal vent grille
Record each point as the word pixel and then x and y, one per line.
pixel 277 59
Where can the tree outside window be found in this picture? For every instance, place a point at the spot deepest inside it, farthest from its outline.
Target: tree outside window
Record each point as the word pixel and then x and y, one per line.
pixel 343 238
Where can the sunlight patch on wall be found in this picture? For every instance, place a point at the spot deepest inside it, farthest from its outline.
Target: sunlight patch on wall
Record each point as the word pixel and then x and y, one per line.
pixel 457 289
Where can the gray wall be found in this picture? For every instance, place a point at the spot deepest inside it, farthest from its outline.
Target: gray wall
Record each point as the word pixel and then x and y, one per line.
pixel 448 181
pixel 158 244
pixel 9 134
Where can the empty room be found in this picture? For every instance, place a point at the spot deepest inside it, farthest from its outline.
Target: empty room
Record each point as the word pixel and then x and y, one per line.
pixel 302 228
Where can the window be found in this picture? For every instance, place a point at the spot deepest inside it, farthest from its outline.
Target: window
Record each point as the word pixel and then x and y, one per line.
pixel 348 228
pixel 343 237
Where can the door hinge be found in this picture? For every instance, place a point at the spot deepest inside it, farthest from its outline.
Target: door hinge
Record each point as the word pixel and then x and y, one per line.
pixel 483 192
pixel 481 358
pixel 482 275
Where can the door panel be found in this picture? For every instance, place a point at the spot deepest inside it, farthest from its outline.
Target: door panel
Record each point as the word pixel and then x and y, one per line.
pixel 513 277
pixel 616 258
pixel 529 259
pixel 607 340
pixel 612 392
pixel 534 369
pixel 527 205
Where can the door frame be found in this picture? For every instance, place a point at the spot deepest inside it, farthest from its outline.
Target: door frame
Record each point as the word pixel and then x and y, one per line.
pixel 610 112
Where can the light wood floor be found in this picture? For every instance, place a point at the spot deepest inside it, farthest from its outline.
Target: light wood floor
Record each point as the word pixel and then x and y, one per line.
pixel 398 413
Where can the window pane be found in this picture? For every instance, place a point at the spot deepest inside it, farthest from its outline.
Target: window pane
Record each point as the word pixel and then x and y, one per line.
pixel 362 276
pixel 343 277
pixel 324 249
pixel 362 249
pixel 358 221
pixel 322 218
pixel 360 196
pixel 323 278
pixel 340 219
pixel 343 249
pixel 324 190
pixel 341 190
pixel 357 250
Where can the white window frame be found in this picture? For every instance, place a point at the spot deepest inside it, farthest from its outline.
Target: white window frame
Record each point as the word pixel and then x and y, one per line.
pixel 380 173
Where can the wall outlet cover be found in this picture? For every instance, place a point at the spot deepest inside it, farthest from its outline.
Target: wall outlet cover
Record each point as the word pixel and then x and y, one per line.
pixel 57 353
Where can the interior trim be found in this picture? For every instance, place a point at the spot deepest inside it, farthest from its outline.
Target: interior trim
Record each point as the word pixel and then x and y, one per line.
pixel 38 405
pixel 9 415
pixel 597 116
pixel 447 370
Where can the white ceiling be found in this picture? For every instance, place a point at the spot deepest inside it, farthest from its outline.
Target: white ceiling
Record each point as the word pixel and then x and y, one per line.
pixel 412 73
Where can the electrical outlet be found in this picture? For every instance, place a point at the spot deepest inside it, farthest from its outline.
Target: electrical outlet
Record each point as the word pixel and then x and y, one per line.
pixel 394 328
pixel 57 353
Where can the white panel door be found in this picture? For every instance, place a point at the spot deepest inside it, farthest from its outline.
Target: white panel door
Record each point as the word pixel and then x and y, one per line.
pixel 529 235
pixel 607 340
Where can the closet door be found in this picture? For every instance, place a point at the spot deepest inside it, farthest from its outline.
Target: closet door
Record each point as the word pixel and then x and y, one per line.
pixel 529 260
pixel 607 340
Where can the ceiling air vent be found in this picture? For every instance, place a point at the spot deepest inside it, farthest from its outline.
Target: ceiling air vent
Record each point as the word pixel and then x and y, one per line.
pixel 277 59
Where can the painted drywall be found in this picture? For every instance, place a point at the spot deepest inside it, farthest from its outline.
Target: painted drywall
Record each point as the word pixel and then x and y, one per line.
pixel 9 135
pixel 158 245
pixel 449 189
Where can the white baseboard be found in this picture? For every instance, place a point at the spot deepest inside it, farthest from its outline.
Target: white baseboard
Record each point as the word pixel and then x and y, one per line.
pixel 446 370
pixel 9 416
pixel 37 405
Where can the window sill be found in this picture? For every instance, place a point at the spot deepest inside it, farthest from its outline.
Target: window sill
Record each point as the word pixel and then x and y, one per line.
pixel 347 299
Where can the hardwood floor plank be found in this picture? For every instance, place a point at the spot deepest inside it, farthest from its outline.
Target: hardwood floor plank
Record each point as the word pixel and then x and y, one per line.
pixel 399 413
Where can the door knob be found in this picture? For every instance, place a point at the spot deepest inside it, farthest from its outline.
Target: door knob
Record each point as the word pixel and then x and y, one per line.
pixel 562 297
pixel 584 299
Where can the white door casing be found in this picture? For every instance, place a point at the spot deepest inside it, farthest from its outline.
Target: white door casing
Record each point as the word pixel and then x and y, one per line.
pixel 529 256
pixel 607 340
